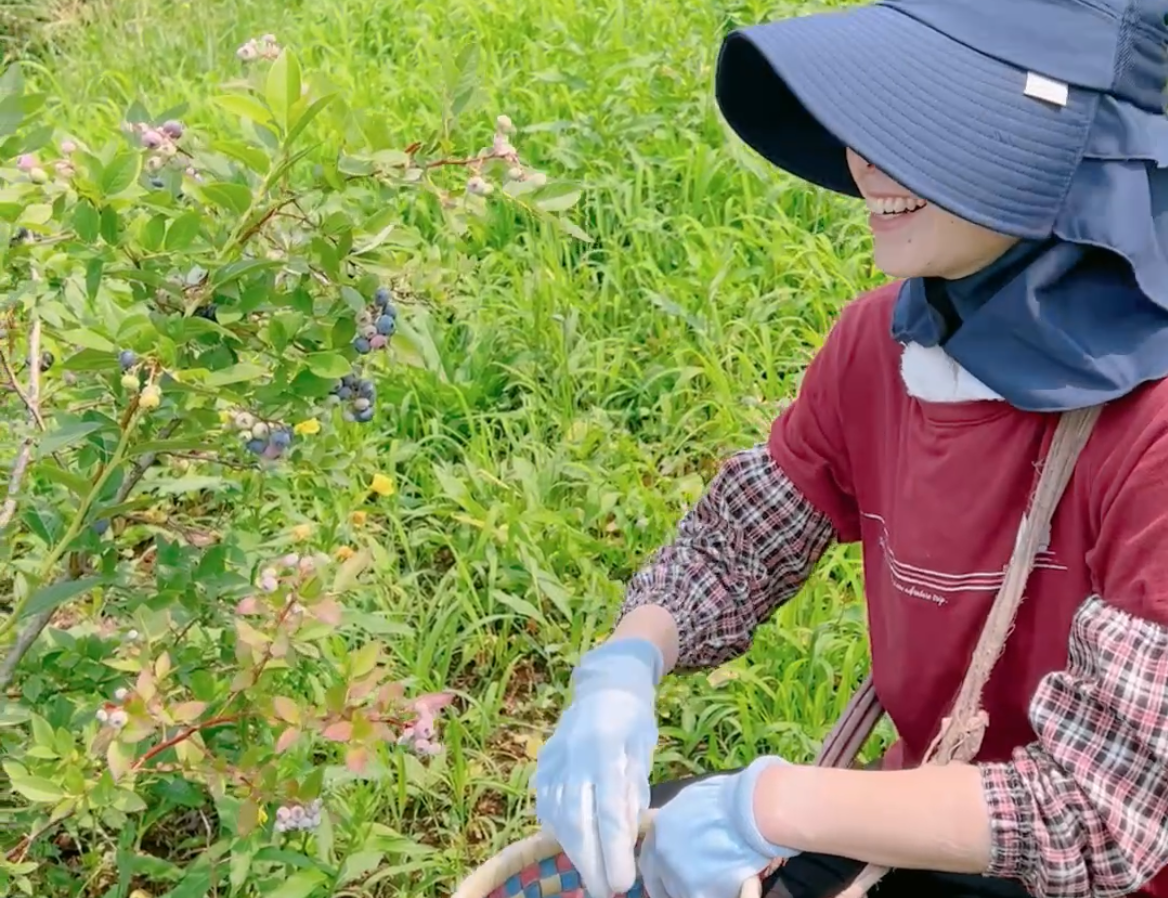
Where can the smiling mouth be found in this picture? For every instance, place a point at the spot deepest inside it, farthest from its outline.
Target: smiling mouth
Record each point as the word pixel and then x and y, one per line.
pixel 891 207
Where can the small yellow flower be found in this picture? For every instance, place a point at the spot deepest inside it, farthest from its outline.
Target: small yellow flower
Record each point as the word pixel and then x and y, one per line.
pixel 301 532
pixel 382 485
pixel 344 553
pixel 358 518
pixel 307 428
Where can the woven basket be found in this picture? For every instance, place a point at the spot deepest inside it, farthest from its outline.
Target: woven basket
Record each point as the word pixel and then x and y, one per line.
pixel 536 867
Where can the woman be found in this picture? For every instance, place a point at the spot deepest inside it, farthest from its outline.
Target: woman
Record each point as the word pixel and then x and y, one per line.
pixel 1010 154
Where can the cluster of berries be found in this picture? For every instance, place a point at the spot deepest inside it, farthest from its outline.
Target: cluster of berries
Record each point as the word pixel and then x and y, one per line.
pixel 501 148
pixel 132 381
pixel 377 323
pixel 302 565
pixel 111 714
pixel 261 438
pixel 264 48
pixel 420 734
pixel 290 818
pixel 359 393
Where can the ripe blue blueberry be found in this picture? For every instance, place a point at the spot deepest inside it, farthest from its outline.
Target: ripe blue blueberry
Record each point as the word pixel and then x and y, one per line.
pixel 383 296
pixel 256 447
pixel 365 389
pixel 101 526
pixel 361 344
pixel 127 359
pixel 281 438
pixel 345 393
pixel 386 325
pixel 348 380
pixel 363 416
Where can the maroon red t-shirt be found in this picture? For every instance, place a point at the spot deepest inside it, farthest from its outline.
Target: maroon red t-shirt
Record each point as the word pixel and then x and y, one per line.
pixel 935 491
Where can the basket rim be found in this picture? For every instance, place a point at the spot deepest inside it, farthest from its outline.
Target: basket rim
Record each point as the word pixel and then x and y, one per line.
pixel 541 846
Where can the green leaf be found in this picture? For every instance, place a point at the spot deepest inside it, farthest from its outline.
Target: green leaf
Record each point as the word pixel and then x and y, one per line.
pixel 282 89
pixel 120 172
pixel 246 107
pixel 557 198
pixel 89 339
pixel 183 231
pixel 232 197
pixel 49 597
pixel 331 365
pixel 359 864
pixel 300 884
pixel 68 435
pixel 244 371
pixel 86 221
pixel 297 128
pixel 36 789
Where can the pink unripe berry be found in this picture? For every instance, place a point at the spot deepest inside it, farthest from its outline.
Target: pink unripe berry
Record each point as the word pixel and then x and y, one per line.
pixel 478 186
pixel 173 129
pixel 26 162
pixel 121 693
pixel 502 146
pixel 152 140
pixel 378 341
pixel 290 560
pixel 68 146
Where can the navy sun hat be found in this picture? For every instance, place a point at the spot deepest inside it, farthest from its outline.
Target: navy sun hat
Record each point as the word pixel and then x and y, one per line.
pixel 985 105
pixel 1039 119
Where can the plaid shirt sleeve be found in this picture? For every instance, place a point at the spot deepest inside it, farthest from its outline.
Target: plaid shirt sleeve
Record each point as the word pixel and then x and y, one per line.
pixel 1083 811
pixel 745 548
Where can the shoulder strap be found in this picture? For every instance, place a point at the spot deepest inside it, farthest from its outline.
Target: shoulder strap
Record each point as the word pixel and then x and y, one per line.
pixel 961 732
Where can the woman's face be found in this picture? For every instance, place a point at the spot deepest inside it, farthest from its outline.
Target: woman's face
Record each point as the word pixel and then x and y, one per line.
pixel 916 239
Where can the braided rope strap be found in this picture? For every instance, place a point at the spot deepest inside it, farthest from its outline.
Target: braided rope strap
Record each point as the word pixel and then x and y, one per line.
pixel 961 732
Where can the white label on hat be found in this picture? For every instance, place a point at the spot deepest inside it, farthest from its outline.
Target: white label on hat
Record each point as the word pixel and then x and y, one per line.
pixel 1042 88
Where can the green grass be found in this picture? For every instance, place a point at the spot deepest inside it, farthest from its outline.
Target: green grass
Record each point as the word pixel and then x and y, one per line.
pixel 591 389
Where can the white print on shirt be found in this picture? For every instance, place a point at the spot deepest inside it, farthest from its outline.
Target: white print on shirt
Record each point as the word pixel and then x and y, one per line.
pixel 938 587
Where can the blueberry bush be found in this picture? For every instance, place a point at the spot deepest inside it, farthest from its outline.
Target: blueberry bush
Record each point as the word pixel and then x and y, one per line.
pixel 189 318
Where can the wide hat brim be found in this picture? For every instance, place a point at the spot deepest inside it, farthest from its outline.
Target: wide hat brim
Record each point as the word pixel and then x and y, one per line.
pixel 949 123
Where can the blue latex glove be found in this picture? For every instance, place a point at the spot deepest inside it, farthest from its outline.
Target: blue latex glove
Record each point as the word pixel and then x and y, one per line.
pixel 592 776
pixel 705 843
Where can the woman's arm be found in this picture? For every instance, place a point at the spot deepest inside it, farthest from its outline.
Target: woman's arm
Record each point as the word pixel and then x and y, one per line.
pixel 1081 812
pixel 745 548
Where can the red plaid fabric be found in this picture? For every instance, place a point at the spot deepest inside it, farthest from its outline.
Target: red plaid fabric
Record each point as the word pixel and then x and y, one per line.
pixel 1082 811
pixel 742 551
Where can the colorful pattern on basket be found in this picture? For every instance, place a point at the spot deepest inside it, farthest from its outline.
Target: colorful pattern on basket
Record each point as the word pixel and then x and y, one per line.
pixel 553 877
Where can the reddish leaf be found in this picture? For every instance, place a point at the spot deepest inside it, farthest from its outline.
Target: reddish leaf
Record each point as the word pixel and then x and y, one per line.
pixel 327 612
pixel 286 709
pixel 185 712
pixel 340 731
pixel 389 695
pixel 249 605
pixel 287 739
pixel 432 702
pixel 357 759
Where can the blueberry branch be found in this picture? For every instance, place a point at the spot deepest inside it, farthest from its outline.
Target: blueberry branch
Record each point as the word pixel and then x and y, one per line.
pixel 58 550
pixel 37 622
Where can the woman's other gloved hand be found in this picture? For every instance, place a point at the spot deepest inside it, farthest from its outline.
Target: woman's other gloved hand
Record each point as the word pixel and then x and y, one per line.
pixel 592 776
